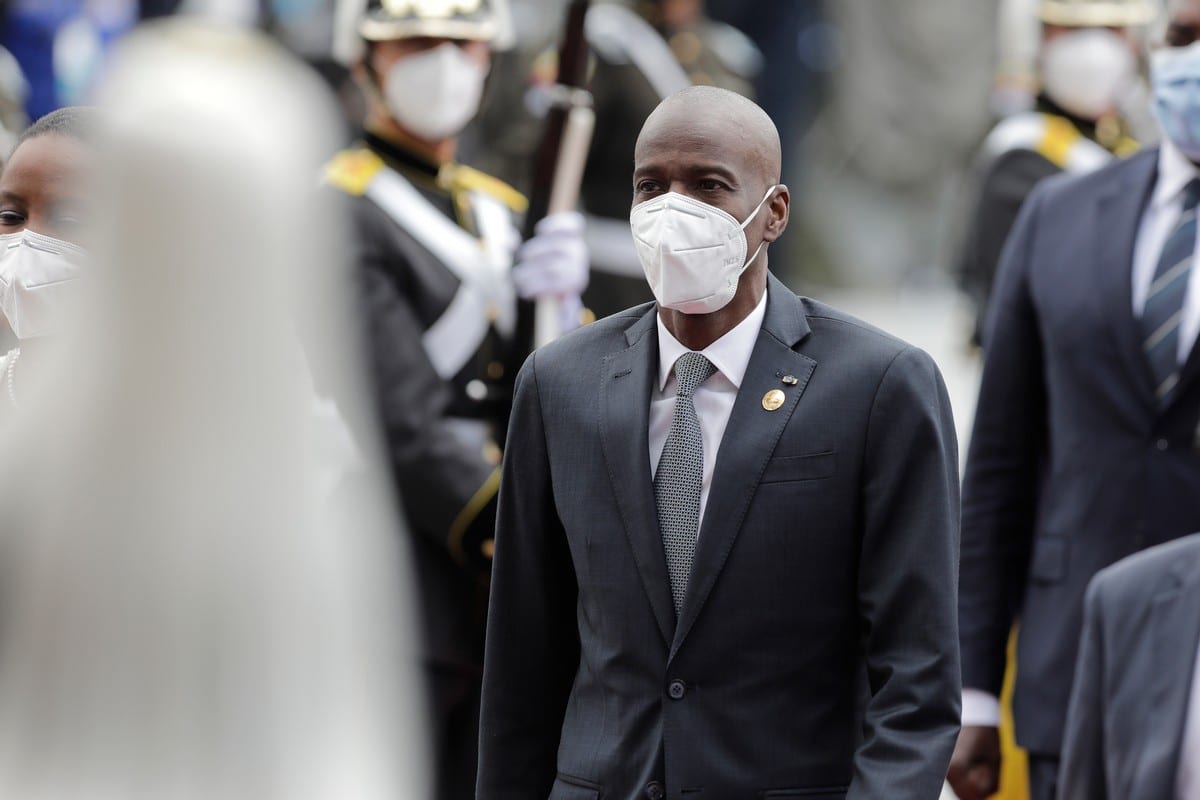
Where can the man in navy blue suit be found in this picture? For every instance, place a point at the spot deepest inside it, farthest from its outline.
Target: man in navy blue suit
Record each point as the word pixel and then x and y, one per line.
pixel 1085 446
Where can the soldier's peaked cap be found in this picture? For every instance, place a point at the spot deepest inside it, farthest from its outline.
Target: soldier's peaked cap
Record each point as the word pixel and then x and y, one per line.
pixel 1098 13
pixel 439 19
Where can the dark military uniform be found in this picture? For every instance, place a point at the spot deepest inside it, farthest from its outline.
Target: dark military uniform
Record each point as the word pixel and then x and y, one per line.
pixel 433 247
pixel 1020 151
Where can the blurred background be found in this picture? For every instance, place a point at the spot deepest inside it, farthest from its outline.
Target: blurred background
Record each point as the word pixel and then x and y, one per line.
pixel 883 110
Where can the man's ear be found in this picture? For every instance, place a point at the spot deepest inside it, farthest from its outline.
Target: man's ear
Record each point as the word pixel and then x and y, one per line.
pixel 777 213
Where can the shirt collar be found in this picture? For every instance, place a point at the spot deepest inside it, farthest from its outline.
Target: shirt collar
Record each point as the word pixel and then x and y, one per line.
pixel 730 354
pixel 1174 173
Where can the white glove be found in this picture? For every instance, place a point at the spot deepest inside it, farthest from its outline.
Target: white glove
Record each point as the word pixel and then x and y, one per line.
pixel 554 263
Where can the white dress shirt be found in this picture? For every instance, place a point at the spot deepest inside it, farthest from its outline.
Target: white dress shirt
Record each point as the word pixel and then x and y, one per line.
pixel 1158 220
pixel 713 399
pixel 1187 784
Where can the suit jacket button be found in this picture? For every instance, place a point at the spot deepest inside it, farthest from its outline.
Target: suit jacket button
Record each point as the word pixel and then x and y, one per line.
pixel 676 689
pixel 654 791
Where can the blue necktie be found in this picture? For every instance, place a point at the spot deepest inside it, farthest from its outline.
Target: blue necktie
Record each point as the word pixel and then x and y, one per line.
pixel 1164 301
pixel 680 476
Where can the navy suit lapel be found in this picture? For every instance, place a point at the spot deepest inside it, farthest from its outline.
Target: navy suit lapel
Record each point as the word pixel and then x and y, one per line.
pixel 1176 615
pixel 1118 216
pixel 1191 368
pixel 625 386
pixel 749 440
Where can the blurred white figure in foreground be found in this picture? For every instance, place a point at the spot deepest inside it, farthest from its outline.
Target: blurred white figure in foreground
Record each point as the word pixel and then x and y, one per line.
pixel 199 595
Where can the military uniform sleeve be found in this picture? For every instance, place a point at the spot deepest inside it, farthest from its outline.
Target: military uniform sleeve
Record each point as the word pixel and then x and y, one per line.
pixel 446 483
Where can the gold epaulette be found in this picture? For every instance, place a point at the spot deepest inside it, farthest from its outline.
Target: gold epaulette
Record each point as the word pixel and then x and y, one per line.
pixel 1126 146
pixel 459 177
pixel 352 170
pixel 1059 138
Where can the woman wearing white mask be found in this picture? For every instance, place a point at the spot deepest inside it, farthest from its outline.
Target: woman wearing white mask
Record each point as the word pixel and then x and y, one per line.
pixel 41 255
pixel 1087 65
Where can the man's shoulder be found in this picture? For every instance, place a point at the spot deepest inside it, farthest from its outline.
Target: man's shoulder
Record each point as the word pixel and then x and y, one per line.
pixel 1070 189
pixel 1142 575
pixel 352 170
pixel 840 329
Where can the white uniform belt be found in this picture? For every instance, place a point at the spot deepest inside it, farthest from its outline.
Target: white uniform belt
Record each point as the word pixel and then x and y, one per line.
pixel 481 266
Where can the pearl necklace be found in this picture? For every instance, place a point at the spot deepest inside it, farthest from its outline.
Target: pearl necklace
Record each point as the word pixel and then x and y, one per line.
pixel 8 372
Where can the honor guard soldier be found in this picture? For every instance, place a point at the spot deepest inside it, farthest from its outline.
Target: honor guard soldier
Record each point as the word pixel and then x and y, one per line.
pixel 434 242
pixel 1088 60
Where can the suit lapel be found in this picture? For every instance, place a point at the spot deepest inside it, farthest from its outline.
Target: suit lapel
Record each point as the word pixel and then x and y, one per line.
pixel 624 432
pixel 1191 367
pixel 1118 215
pixel 748 443
pixel 1176 616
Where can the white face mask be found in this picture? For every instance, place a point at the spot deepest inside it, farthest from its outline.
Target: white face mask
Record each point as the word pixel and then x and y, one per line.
pixel 1086 71
pixel 1175 79
pixel 435 93
pixel 693 253
pixel 36 277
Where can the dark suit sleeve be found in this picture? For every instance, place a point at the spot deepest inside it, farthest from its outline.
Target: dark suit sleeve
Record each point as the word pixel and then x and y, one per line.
pixel 532 649
pixel 1081 773
pixel 906 585
pixel 1000 487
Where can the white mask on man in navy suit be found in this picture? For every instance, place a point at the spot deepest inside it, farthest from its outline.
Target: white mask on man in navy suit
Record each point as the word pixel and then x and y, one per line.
pixel 693 253
pixel 1175 77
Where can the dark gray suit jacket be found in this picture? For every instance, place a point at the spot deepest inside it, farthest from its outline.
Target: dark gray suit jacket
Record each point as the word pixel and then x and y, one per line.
pixel 815 654
pixel 1072 466
pixel 1133 679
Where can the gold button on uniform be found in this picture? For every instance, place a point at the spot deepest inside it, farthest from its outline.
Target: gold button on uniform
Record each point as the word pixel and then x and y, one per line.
pixel 773 399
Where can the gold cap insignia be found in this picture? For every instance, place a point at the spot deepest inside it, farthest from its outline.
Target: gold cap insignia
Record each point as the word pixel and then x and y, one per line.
pixel 436 19
pixel 430 9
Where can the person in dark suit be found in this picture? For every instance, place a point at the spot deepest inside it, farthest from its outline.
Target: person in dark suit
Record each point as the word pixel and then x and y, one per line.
pixel 1084 448
pixel 726 544
pixel 1133 726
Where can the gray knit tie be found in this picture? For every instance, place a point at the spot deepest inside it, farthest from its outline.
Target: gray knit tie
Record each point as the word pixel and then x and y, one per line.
pixel 680 475
pixel 1163 311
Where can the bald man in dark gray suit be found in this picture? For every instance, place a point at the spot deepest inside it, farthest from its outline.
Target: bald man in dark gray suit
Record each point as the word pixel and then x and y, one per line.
pixel 808 646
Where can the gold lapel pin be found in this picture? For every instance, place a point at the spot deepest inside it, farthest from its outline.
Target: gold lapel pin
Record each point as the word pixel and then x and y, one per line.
pixel 790 380
pixel 773 399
